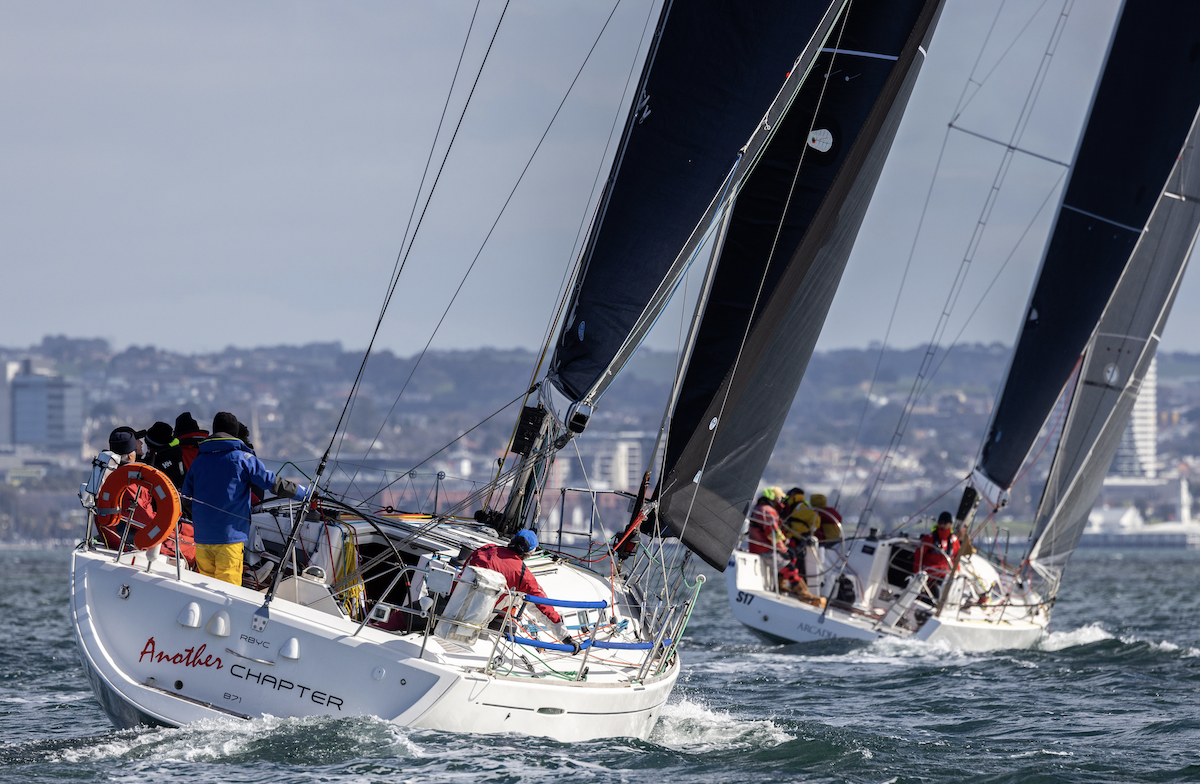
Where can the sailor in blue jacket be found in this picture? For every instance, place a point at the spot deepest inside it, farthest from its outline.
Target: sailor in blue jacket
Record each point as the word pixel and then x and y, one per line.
pixel 218 485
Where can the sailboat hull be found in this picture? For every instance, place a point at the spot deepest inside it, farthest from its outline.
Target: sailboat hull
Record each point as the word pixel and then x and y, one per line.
pixel 160 650
pixel 782 617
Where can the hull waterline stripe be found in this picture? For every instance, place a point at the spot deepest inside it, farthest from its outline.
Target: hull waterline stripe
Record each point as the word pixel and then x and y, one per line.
pixel 579 713
pixel 201 703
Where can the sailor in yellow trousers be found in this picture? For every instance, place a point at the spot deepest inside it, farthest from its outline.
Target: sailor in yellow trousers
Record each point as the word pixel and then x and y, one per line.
pixel 218 485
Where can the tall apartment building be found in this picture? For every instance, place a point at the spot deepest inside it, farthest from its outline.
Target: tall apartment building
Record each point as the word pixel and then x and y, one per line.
pixel 46 409
pixel 7 371
pixel 1137 454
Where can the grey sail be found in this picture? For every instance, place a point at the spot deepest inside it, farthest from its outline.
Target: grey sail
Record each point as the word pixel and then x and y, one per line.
pixel 1115 363
pixel 786 243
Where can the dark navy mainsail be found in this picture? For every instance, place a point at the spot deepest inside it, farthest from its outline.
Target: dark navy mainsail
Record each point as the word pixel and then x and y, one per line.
pixel 714 68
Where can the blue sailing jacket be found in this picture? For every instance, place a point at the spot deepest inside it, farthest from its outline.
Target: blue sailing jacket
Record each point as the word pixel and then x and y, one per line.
pixel 219 484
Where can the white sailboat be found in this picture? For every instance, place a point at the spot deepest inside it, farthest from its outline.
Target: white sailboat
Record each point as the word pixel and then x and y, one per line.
pixel 1108 278
pixel 351 612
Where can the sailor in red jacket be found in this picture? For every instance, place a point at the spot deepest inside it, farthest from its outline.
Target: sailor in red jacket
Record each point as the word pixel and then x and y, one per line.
pixel 938 549
pixel 509 561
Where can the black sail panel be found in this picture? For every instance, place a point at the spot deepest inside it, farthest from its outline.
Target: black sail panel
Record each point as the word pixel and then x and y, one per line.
pixel 1142 110
pixel 717 66
pixel 732 406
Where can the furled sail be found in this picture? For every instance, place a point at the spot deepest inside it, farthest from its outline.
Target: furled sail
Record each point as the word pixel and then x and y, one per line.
pixel 781 255
pixel 714 67
pixel 1115 363
pixel 1142 109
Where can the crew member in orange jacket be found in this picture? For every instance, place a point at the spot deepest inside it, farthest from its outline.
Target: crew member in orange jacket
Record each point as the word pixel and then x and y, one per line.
pixel 510 562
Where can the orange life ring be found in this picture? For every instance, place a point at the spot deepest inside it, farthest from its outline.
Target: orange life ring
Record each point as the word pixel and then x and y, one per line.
pixel 114 496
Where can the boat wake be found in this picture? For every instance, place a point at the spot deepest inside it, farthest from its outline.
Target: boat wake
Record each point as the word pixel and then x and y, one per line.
pixel 315 741
pixel 904 651
pixel 1084 635
pixel 692 727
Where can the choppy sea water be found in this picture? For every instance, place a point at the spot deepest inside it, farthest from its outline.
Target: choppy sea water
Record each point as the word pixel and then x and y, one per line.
pixel 1113 694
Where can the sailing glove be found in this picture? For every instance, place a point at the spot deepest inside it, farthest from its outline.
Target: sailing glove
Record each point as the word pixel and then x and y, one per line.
pixel 286 488
pixel 569 640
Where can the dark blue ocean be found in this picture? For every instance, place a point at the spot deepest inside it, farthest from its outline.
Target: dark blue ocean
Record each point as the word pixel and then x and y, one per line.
pixel 1113 695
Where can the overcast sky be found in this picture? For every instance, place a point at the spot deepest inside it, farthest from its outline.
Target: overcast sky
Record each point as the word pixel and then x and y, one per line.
pixel 196 175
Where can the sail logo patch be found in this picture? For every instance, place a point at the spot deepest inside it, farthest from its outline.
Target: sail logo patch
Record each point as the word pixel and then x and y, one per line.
pixel 1112 374
pixel 821 140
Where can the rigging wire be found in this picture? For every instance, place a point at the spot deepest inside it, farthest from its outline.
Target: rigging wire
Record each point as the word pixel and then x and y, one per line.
pixel 955 342
pixel 983 297
pixel 402 260
pixel 571 271
pixel 963 100
pixel 460 436
pixel 966 263
pixel 960 107
pixel 496 222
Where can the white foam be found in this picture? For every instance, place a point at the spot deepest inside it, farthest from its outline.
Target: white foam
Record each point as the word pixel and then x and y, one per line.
pixel 691 726
pixel 1041 753
pixel 1165 646
pixel 1084 635
pixel 214 740
pixel 908 648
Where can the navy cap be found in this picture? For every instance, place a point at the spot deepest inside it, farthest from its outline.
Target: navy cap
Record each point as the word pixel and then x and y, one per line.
pixel 123 440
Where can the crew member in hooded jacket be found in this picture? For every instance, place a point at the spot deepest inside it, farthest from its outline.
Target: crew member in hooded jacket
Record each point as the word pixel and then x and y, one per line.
pixel 219 484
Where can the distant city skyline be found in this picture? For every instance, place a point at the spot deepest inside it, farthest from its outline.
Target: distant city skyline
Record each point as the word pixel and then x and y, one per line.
pixel 193 177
